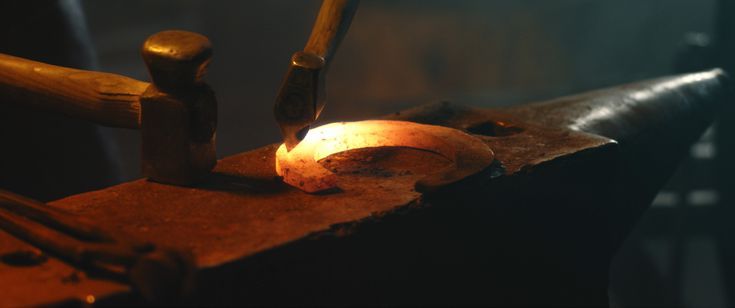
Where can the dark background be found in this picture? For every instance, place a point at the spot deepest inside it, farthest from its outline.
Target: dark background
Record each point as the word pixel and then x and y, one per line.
pixel 487 53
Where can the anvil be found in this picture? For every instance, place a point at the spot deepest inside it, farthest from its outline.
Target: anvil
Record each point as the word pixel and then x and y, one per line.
pixel 539 226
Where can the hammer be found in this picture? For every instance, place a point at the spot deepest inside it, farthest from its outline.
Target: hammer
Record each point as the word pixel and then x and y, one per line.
pixel 301 97
pixel 176 113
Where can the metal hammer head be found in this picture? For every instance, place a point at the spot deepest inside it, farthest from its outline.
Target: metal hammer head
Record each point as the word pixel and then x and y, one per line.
pixel 177 59
pixel 300 98
pixel 178 117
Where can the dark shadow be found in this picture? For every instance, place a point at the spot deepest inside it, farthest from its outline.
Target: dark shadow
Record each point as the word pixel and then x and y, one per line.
pixel 242 184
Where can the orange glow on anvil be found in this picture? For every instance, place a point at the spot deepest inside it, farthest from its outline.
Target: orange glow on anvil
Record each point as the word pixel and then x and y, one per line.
pixel 300 167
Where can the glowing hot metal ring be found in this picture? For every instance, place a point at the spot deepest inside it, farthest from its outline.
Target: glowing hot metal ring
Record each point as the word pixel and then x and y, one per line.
pixel 300 167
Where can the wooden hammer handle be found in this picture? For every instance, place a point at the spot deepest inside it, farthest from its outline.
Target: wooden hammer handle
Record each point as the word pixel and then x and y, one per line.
pixel 330 27
pixel 103 98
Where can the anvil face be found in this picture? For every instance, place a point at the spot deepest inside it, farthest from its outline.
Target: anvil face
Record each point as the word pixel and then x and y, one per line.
pixel 551 204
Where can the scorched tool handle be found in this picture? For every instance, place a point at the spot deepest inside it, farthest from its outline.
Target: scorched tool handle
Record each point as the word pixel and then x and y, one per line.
pixel 103 98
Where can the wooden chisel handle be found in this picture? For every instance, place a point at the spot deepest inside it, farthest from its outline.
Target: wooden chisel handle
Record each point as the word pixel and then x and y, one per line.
pixel 103 98
pixel 330 27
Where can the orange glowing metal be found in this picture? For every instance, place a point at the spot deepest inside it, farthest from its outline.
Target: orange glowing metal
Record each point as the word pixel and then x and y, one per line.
pixel 300 167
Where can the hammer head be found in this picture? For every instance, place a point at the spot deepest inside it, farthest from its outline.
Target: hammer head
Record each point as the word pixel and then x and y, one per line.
pixel 178 110
pixel 301 97
pixel 177 59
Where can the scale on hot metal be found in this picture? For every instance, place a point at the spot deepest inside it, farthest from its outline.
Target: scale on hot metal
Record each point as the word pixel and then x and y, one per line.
pixel 437 204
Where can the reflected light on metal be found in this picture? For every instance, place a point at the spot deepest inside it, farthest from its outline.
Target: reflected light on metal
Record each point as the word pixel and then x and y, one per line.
pixel 300 167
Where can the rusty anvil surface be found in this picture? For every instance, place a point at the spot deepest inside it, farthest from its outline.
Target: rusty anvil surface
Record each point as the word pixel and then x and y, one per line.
pixel 540 226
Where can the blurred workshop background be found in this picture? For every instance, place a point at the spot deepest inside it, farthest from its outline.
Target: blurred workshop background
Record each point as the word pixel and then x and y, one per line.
pixel 400 54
